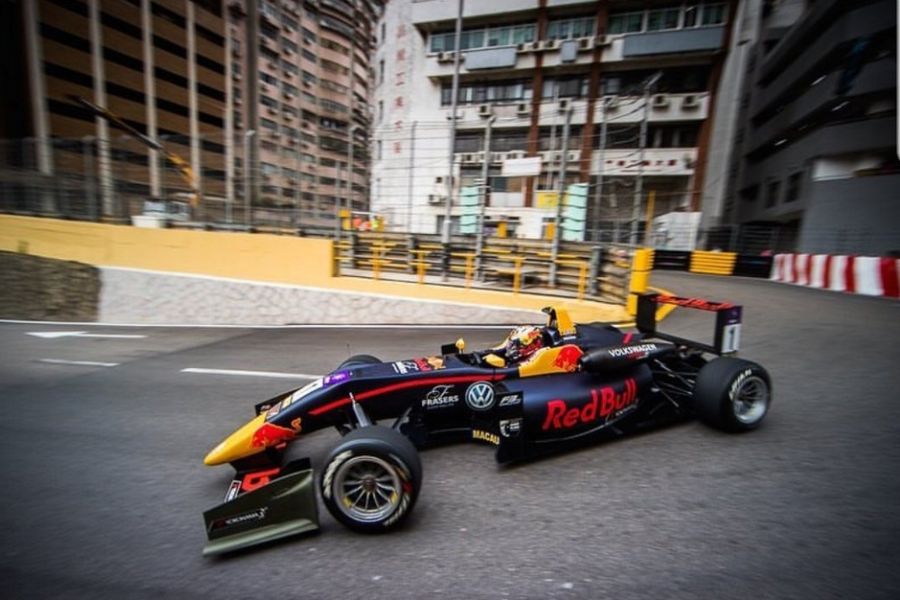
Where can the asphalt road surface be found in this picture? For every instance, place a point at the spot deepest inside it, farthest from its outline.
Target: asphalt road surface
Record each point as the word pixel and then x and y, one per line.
pixel 103 482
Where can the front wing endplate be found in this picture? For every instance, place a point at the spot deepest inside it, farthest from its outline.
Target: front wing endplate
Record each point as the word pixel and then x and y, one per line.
pixel 284 507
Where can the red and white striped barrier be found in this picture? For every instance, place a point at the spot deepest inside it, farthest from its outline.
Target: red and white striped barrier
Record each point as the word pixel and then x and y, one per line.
pixel 867 275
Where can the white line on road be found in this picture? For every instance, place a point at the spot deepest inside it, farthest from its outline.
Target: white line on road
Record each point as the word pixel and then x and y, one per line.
pixel 274 374
pixel 77 363
pixel 50 335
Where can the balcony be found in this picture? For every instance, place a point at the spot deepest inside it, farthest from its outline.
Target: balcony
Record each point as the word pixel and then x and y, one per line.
pixel 657 161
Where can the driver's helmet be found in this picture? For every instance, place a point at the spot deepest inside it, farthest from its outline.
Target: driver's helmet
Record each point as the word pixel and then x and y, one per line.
pixel 522 342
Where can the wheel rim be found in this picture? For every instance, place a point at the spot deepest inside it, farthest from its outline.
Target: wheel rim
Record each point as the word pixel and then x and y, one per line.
pixel 750 400
pixel 367 488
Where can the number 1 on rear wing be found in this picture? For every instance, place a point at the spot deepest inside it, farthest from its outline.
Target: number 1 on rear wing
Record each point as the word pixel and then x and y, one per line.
pixel 728 321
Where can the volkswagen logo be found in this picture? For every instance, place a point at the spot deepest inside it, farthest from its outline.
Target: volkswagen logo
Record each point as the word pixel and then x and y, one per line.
pixel 480 396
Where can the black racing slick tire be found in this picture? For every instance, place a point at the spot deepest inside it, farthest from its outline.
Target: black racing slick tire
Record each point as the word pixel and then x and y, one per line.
pixel 359 360
pixel 732 394
pixel 371 479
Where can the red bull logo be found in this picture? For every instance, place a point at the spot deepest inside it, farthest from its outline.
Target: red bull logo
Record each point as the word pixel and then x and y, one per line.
pixel 271 435
pixel 604 404
pixel 567 359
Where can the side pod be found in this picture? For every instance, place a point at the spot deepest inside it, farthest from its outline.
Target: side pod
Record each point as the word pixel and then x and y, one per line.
pixel 283 507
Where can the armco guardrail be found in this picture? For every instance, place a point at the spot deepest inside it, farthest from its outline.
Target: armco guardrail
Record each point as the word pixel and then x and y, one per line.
pixel 582 270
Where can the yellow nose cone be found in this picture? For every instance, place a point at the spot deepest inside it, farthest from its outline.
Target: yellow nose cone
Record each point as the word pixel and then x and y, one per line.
pixel 237 445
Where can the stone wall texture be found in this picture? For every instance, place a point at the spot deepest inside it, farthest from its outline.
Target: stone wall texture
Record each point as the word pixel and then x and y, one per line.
pixel 38 288
pixel 134 296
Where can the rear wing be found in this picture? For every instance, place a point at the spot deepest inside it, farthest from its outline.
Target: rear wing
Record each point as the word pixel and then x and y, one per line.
pixel 728 321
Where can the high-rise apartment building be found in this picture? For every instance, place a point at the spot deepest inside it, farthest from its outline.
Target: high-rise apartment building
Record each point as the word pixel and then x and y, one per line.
pixel 646 86
pixel 286 83
pixel 817 165
pixel 158 65
pixel 301 82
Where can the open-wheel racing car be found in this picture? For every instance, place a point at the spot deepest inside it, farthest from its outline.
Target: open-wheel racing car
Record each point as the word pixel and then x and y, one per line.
pixel 544 389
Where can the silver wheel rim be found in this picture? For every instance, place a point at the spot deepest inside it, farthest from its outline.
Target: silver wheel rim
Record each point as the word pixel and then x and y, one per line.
pixel 367 489
pixel 750 400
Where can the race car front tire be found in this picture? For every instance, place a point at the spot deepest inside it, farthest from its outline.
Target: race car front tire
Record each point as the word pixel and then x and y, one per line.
pixel 359 360
pixel 371 479
pixel 732 394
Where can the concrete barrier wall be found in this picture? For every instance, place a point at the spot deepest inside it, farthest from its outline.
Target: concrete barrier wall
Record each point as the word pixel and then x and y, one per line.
pixel 186 299
pixel 866 275
pixel 177 269
pixel 253 257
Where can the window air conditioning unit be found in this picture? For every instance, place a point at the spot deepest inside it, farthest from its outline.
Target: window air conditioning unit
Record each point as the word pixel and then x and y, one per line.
pixel 563 104
pixel 466 158
pixel 236 76
pixel 484 110
pixel 690 102
pixel 553 44
pixel 288 116
pixel 574 156
pixel 237 101
pixel 602 40
pixel 532 46
pixel 435 199
pixel 513 154
pixel 273 65
pixel 612 102
pixel 445 57
pixel 659 101
pixel 586 43
pixel 288 52
pixel 522 109
pixel 273 110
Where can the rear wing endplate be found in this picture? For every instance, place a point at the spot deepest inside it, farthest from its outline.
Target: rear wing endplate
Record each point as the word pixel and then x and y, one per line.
pixel 728 321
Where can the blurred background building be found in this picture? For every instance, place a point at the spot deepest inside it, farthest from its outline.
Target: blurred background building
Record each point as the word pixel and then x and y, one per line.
pixel 817 162
pixel 735 124
pixel 649 85
pixel 283 83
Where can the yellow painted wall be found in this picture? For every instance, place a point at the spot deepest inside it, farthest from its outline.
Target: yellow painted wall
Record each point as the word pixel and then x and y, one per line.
pixel 256 257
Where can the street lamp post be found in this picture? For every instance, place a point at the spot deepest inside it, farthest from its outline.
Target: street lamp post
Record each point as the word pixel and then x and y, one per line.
pixel 639 186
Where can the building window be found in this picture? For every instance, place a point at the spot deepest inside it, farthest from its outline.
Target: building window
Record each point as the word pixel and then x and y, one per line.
pixel 793 187
pixel 713 14
pixel 662 19
pixel 626 23
pixel 565 29
pixel 498 91
pixel 483 38
pixel 574 87
pixel 772 191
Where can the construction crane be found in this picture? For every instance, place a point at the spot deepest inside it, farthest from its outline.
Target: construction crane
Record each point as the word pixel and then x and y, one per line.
pixel 184 169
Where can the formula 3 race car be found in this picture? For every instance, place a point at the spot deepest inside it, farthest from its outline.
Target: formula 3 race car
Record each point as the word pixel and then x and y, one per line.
pixel 543 390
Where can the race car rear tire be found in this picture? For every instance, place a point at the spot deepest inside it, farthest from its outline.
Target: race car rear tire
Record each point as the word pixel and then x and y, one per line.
pixel 732 394
pixel 371 479
pixel 359 360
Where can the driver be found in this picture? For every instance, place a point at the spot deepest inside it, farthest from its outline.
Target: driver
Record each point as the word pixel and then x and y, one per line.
pixel 521 343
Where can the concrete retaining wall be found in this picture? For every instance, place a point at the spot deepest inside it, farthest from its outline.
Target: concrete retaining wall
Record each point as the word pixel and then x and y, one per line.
pixel 134 296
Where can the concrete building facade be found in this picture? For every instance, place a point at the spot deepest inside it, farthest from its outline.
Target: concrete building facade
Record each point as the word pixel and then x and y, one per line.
pixel 285 83
pixel 301 81
pixel 817 160
pixel 158 65
pixel 524 65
